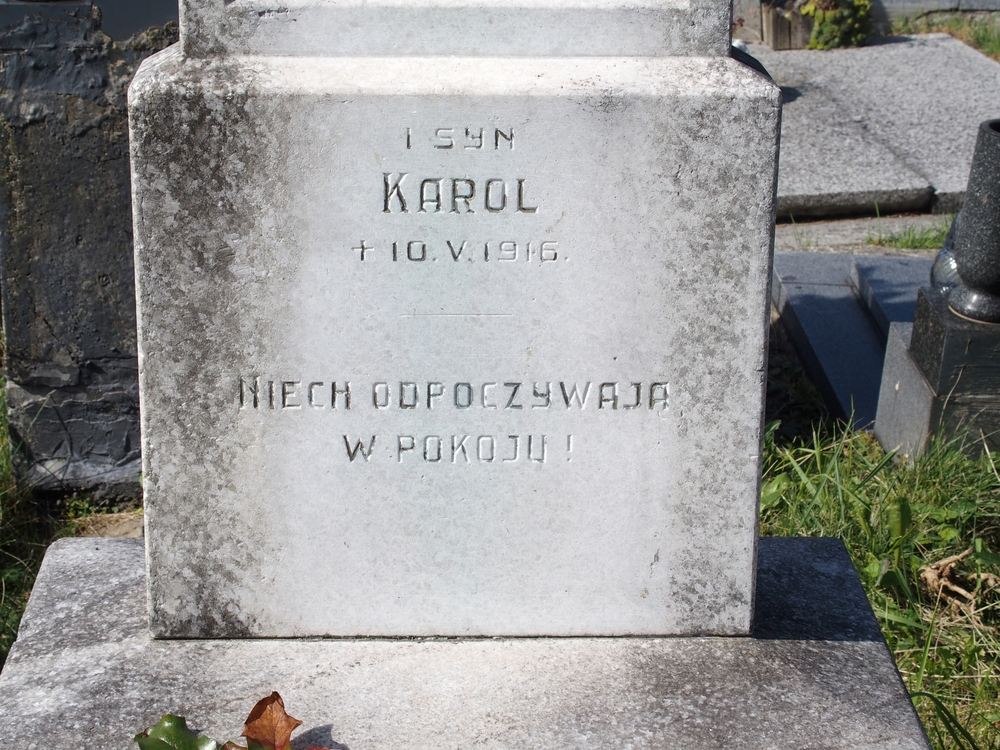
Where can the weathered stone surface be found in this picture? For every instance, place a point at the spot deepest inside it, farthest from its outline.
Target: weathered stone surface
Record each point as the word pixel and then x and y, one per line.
pixel 121 19
pixel 84 672
pixel 644 187
pixel 68 299
pixel 530 28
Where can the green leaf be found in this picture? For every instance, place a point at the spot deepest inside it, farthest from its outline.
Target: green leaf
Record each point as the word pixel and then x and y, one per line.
pixel 947 533
pixel 900 518
pixel 987 558
pixel 770 493
pixel 891 616
pixel 172 733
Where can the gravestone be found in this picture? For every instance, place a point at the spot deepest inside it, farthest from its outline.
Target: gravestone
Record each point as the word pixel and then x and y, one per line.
pixel 465 345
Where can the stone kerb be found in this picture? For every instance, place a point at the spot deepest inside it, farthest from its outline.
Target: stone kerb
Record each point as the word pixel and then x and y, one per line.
pixel 527 28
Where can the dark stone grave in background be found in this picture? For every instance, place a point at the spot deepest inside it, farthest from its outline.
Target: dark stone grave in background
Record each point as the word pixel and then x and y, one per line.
pixel 837 309
pixel 65 208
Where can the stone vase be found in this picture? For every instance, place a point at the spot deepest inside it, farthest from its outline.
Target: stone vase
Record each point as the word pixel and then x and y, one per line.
pixel 977 239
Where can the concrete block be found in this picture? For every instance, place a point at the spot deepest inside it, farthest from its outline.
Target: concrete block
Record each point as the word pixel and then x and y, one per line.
pixel 84 673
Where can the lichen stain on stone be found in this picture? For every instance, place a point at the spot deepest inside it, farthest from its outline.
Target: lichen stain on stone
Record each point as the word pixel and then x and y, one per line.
pixel 209 159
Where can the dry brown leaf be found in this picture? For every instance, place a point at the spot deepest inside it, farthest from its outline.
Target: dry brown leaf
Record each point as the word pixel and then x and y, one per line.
pixel 268 726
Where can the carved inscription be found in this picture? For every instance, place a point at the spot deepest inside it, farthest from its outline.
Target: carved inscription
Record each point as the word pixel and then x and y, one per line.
pixel 451 138
pixel 461 449
pixel 451 192
pixel 403 193
pixel 259 394
pixel 503 395
pixel 457 195
pixel 491 251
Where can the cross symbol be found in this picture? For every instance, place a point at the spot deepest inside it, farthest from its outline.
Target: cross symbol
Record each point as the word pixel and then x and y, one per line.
pixel 364 248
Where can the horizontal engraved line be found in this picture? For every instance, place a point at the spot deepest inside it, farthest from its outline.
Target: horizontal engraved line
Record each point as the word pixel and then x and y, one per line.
pixel 457 315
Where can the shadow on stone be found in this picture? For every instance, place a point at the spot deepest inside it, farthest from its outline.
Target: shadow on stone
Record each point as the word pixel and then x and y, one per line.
pixel 789 94
pixel 808 589
pixel 321 736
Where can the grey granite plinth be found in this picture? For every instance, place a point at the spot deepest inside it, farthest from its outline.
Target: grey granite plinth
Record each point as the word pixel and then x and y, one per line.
pixel 816 674
pixel 837 309
pixel 839 344
pixel 911 409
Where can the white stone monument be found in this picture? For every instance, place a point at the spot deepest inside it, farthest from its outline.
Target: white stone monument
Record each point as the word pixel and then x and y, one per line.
pixel 452 318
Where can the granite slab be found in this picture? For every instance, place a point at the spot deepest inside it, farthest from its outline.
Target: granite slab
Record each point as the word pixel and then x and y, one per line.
pixel 911 412
pixel 836 338
pixel 908 409
pixel 816 675
pixel 838 308
pixel 921 98
pixel 831 165
pixel 888 287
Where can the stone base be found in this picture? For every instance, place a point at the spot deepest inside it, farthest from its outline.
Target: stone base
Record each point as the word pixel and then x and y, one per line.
pixel 816 674
pixel 910 412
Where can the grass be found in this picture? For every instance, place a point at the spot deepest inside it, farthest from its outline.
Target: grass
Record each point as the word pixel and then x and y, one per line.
pixel 914 238
pixel 978 29
pixel 25 532
pixel 925 539
pixel 901 524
